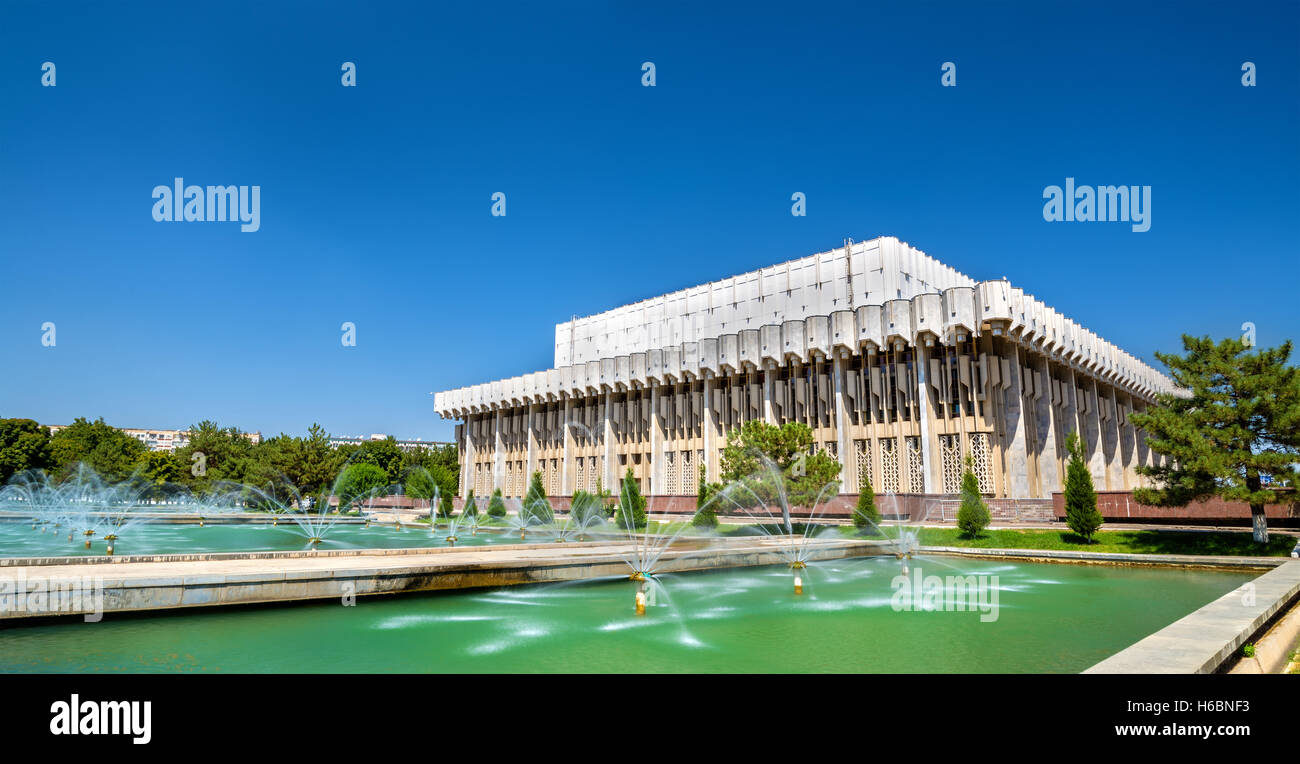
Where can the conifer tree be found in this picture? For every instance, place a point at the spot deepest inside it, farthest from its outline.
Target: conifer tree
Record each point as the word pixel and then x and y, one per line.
pixel 496 505
pixel 1080 497
pixel 536 505
pixel 471 504
pixel 706 514
pixel 973 516
pixel 631 505
pixel 1232 431
pixel 444 505
pixel 866 514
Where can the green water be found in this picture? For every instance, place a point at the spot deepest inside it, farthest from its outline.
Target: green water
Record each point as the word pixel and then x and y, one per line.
pixel 1050 618
pixel 20 540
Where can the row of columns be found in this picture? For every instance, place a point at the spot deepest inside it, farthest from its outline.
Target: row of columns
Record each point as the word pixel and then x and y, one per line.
pixel 1029 428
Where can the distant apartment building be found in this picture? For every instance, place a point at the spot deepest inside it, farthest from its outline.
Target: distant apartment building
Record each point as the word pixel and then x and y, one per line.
pixel 405 445
pixel 160 440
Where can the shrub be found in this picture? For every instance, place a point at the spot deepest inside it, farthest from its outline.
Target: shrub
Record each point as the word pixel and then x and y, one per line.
pixel 471 504
pixel 706 515
pixel 973 516
pixel 444 506
pixel 1080 497
pixel 865 513
pixel 585 507
pixel 631 509
pixel 496 505
pixel 535 504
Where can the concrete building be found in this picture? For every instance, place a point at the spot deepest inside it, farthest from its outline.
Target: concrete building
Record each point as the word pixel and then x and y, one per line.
pixel 405 445
pixel 901 366
pixel 160 440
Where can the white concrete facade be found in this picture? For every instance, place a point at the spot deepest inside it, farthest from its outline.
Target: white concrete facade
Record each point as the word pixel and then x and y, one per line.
pixel 901 366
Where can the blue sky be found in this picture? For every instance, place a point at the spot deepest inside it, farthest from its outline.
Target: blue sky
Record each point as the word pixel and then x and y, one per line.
pixel 375 202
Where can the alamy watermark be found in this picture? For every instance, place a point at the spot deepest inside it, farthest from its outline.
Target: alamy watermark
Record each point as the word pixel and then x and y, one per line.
pixel 52 595
pixel 970 593
pixel 199 204
pixel 1085 204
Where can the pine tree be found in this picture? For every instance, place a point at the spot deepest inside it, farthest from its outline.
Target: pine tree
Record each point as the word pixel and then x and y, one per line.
pixel 471 504
pixel 1232 430
pixel 866 514
pixel 496 505
pixel 631 509
pixel 536 505
pixel 444 506
pixel 706 515
pixel 1080 497
pixel 973 516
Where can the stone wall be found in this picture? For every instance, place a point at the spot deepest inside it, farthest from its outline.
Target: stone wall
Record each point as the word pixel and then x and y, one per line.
pixel 1119 506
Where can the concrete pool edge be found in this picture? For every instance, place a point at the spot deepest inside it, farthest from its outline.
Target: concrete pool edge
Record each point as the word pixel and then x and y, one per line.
pixel 1203 641
pixel 1113 558
pixel 291 577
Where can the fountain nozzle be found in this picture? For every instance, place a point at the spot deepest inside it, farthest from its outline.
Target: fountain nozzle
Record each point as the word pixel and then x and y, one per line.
pixel 640 602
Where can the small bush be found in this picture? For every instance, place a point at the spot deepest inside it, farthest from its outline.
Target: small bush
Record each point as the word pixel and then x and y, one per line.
pixel 496 505
pixel 706 515
pixel 973 516
pixel 865 513
pixel 631 510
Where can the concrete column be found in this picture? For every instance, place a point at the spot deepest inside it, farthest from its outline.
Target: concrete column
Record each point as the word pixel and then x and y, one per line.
pixel 1114 466
pixel 1048 462
pixel 608 478
pixel 841 419
pixel 467 466
pixel 1016 474
pixel 710 429
pixel 566 486
pixel 769 392
pixel 926 414
pixel 532 445
pixel 498 454
pixel 656 442
pixel 1096 460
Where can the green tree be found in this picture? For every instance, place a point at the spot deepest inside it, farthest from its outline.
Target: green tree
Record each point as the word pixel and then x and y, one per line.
pixel 214 453
pixel 496 505
pixel 315 465
pixel 584 508
pixel 24 445
pixel 631 505
pixel 706 514
pixel 107 450
pixel 535 504
pixel 471 504
pixel 767 461
pixel 384 454
pixel 973 515
pixel 158 469
pixel 1232 430
pixel 444 505
pixel 865 513
pixel 359 482
pixel 1080 497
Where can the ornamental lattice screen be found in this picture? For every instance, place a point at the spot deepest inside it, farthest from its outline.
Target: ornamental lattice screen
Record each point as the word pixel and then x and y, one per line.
pixel 581 481
pixel 862 449
pixel 950 458
pixel 979 452
pixel 889 464
pixel 687 472
pixel 670 472
pixel 915 465
pixel 553 478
